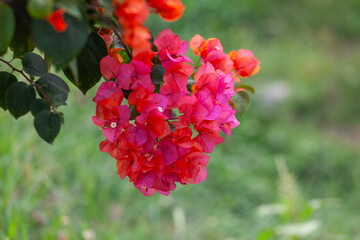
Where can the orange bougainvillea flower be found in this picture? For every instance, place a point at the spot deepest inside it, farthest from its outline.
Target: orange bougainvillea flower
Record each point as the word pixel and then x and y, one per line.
pixel 169 10
pixel 245 64
pixel 56 19
pixel 131 12
pixel 211 51
pixel 201 47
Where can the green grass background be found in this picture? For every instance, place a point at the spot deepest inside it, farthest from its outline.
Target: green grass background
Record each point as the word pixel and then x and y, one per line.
pixel 305 114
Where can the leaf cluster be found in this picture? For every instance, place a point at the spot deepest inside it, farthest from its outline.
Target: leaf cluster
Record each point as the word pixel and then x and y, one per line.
pixel 24 27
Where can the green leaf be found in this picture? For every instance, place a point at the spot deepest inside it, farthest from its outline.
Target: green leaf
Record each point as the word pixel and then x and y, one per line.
pixel 40 8
pixel 6 79
pixel 39 105
pixel 18 98
pixel 157 74
pixel 7 26
pixel 34 65
pixel 62 117
pixel 247 87
pixel 22 39
pixel 124 56
pixel 47 125
pixel 64 46
pixel 241 102
pixel 55 88
pixel 87 68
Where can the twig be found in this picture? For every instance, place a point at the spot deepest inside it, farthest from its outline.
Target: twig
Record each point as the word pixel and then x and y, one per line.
pixel 123 44
pixel 113 27
pixel 31 82
pixel 197 64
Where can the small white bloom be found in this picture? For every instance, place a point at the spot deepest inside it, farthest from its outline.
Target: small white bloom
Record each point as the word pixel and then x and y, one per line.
pixel 113 125
pixel 160 109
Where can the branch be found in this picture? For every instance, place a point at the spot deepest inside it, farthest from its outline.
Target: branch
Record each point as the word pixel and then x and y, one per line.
pixel 31 82
pixel 123 44
pixel 111 25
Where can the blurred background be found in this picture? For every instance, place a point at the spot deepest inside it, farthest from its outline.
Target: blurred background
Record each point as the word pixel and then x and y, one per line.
pixel 289 171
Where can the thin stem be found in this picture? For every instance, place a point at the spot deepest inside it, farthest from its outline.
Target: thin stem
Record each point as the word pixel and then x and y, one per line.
pixel 31 82
pixel 115 29
pixel 197 64
pixel 123 44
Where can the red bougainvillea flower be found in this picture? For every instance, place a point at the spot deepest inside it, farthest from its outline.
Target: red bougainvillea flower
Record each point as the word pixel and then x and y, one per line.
pixel 171 48
pixel 113 126
pixel 153 147
pixel 245 64
pixel 169 10
pixel 134 74
pixel 109 67
pixel 56 19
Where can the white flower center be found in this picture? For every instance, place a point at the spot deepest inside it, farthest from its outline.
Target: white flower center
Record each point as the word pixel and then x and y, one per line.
pixel 113 125
pixel 160 109
pixel 217 48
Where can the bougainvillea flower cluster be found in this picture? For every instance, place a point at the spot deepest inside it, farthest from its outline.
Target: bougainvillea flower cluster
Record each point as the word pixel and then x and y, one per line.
pixel 131 15
pixel 158 132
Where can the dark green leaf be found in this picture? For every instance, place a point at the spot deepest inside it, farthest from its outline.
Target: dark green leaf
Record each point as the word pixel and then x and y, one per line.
pixel 7 26
pixel 55 88
pixel 241 102
pixel 62 117
pixel 64 46
pixel 157 74
pixel 22 40
pixel 39 105
pixel 47 125
pixel 247 87
pixel 18 98
pixel 34 65
pixel 6 79
pixel 133 112
pixel 88 64
pixel 172 127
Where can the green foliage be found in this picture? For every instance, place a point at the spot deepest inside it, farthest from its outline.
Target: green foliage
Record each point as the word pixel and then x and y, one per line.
pixel 47 125
pixel 18 98
pixel 124 56
pixel 241 102
pixel 86 72
pixel 21 42
pixel 7 26
pixel 55 88
pixel 157 74
pixel 39 105
pixel 34 65
pixel 61 47
pixel 40 8
pixel 6 79
pixel 247 87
